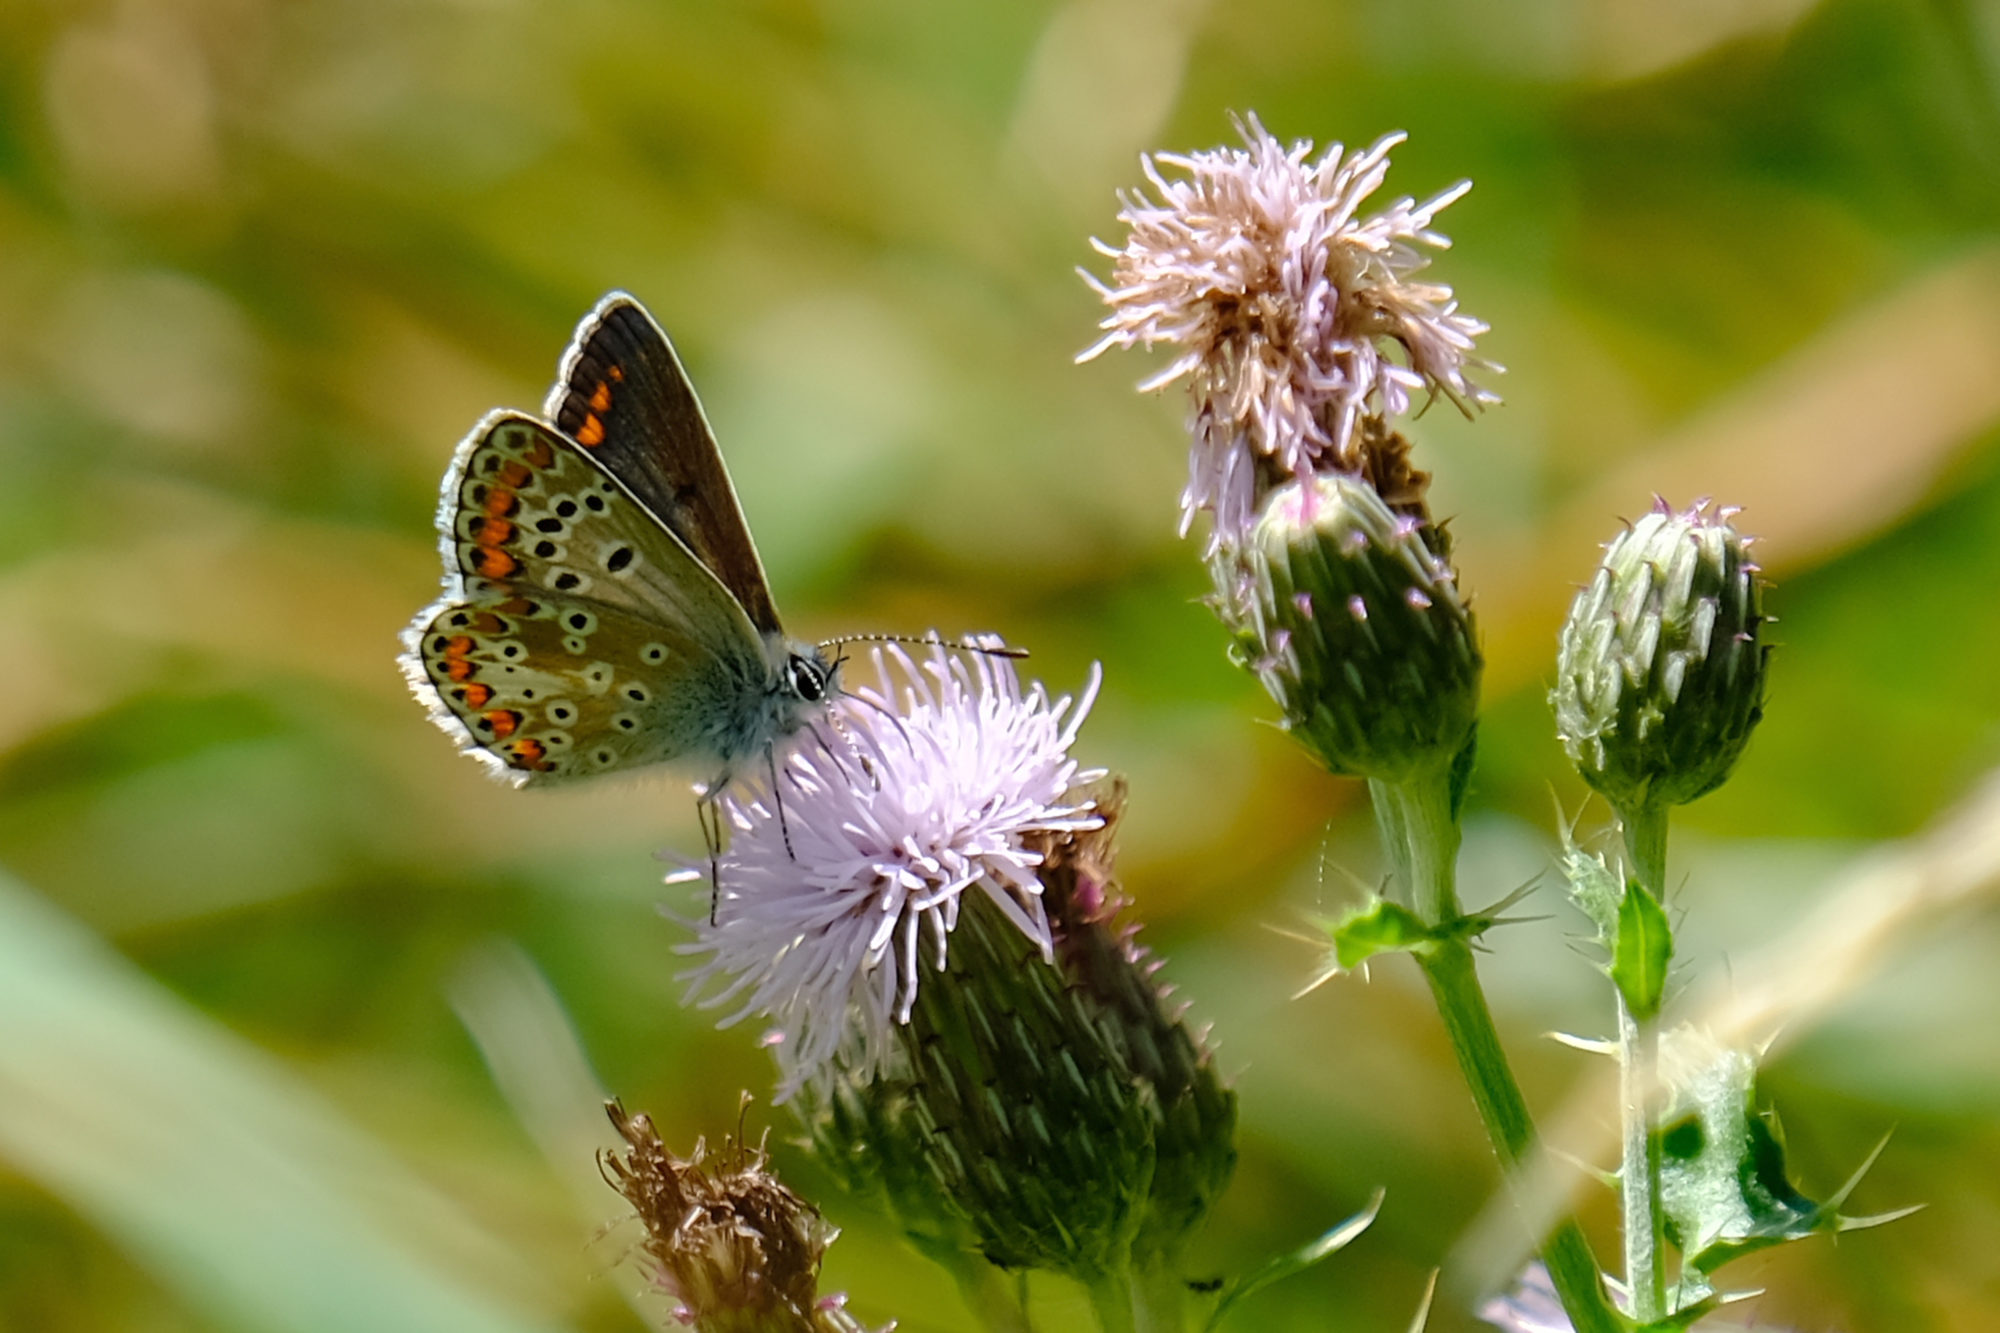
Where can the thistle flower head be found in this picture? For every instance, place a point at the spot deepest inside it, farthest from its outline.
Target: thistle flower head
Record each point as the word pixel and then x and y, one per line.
pixel 1055 1114
pixel 1295 317
pixel 933 784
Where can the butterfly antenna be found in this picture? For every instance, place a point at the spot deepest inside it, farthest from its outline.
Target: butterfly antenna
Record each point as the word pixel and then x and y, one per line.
pixel 986 645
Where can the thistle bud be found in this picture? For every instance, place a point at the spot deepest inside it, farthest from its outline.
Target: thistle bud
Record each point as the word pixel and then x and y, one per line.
pixel 1348 612
pixel 1047 1115
pixel 1660 677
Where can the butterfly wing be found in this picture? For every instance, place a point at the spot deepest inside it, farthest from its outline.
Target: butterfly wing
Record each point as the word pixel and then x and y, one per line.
pixel 575 634
pixel 623 395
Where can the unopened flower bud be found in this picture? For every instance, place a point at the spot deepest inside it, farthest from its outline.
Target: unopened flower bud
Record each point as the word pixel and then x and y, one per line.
pixel 1660 677
pixel 1348 612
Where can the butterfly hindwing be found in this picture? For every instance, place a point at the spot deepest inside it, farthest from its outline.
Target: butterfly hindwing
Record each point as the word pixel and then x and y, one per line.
pixel 564 595
pixel 623 395
pixel 546 687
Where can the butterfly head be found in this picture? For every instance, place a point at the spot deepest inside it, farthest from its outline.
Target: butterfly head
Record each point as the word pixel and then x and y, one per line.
pixel 809 676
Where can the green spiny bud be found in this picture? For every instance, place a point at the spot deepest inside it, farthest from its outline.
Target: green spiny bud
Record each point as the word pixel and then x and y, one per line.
pixel 1660 678
pixel 1112 975
pixel 1046 1115
pixel 1349 613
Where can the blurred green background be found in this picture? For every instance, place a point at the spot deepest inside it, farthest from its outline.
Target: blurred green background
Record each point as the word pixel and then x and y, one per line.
pixel 270 953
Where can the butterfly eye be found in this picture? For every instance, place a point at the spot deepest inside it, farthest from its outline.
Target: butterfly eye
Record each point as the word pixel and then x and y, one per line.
pixel 808 681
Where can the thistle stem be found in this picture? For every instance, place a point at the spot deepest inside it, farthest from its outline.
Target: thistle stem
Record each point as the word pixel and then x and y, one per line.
pixel 987 1293
pixel 1159 1300
pixel 1638 1087
pixel 1112 1301
pixel 1421 835
pixel 1151 1299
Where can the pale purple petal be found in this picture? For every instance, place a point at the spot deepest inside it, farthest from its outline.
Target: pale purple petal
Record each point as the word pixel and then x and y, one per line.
pixel 917 790
pixel 1296 317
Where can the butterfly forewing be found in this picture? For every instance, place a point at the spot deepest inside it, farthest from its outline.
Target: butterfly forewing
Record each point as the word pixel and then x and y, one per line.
pixel 624 397
pixel 576 634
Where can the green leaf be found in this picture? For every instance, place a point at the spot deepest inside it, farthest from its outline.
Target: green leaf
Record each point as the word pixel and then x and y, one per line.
pixel 1297 1261
pixel 1378 928
pixel 1593 886
pixel 1641 950
pixel 1723 1180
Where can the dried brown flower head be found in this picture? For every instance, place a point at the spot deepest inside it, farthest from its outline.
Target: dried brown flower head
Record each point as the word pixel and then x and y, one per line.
pixel 732 1244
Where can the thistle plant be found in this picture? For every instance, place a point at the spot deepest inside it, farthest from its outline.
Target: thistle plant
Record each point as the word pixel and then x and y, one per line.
pixel 919 902
pixel 1304 334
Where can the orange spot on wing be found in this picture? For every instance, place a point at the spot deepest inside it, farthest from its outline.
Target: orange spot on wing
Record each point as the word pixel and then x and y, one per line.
pixel 494 532
pixel 501 503
pixel 601 400
pixel 516 606
pixel 505 722
pixel 528 753
pixel 488 623
pixel 591 432
pixel 539 454
pixel 493 563
pixel 455 665
pixel 475 694
pixel 513 476
pixel 615 372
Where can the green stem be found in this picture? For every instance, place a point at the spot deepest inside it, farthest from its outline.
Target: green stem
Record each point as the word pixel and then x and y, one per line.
pixel 1639 1165
pixel 1148 1300
pixel 1111 1299
pixel 1422 839
pixel 1646 840
pixel 1159 1300
pixel 999 1307
pixel 1476 1042
pixel 1638 1087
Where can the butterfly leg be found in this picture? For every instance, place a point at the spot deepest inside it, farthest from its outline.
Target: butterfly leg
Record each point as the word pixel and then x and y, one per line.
pixel 709 813
pixel 778 800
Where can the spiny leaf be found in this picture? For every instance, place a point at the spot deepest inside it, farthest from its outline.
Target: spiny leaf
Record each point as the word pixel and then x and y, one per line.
pixel 1285 1265
pixel 1593 886
pixel 1639 954
pixel 1723 1180
pixel 1380 927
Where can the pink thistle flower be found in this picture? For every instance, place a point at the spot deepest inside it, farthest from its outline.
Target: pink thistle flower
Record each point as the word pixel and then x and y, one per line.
pixel 933 784
pixel 1285 304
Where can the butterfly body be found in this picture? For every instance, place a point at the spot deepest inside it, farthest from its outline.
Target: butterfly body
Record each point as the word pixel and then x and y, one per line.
pixel 603 605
